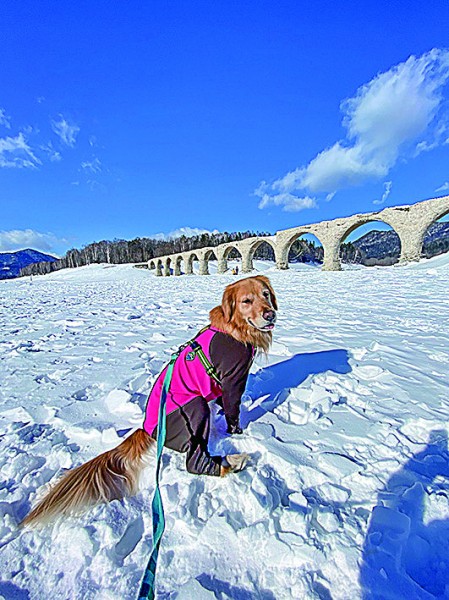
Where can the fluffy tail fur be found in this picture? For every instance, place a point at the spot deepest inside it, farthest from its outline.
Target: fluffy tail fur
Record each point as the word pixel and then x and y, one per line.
pixel 112 475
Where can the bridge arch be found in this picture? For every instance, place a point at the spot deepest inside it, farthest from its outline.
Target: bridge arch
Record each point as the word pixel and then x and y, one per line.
pixel 306 248
pixel 265 246
pixel 189 263
pixel 231 251
pixel 159 266
pixel 285 244
pixel 364 252
pixel 434 211
pixel 430 246
pixel 228 252
pixel 208 255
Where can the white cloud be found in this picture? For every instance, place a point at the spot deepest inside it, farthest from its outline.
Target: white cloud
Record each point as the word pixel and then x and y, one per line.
pixel 288 201
pixel 52 154
pixel 16 153
pixel 66 131
pixel 444 187
pixel 5 121
pixel 187 231
pixel 396 113
pixel 19 239
pixel 93 166
pixel 388 185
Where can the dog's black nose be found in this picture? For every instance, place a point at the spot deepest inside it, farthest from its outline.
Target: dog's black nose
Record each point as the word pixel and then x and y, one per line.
pixel 269 315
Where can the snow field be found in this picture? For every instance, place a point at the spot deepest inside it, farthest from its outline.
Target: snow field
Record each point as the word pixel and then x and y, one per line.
pixel 346 494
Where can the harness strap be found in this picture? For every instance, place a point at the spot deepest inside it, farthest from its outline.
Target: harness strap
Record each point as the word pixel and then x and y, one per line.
pixel 208 366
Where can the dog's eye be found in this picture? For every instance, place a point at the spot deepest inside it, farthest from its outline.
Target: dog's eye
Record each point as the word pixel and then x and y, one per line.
pixel 246 301
pixel 266 294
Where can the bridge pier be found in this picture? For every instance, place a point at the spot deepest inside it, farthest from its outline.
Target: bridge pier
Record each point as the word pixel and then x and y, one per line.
pixel 204 266
pixel 189 265
pixel 222 266
pixel 177 270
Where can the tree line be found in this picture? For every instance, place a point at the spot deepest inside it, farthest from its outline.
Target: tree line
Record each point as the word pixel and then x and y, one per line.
pixel 141 250
pixel 138 250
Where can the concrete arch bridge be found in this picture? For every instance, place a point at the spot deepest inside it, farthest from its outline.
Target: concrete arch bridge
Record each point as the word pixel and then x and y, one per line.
pixel 409 222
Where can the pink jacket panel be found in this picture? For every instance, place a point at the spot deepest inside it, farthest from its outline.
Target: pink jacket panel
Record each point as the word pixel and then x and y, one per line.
pixel 189 381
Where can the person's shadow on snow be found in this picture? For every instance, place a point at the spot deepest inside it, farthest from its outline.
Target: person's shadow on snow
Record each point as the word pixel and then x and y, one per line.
pixel 406 552
pixel 273 383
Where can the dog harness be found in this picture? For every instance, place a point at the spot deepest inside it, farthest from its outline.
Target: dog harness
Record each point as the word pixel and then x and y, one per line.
pixel 212 365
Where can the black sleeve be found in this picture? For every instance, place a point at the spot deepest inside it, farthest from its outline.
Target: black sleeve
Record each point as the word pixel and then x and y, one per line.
pixel 232 361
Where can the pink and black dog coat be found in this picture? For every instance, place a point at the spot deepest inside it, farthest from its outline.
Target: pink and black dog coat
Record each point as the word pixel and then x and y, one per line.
pixel 191 390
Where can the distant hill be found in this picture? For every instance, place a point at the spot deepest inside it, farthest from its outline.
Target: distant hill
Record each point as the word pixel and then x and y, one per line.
pixel 12 262
pixel 384 247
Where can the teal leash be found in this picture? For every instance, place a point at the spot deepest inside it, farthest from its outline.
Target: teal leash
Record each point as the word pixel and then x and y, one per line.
pixel 147 588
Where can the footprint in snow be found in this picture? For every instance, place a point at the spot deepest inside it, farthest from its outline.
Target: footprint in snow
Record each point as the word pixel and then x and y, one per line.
pixel 129 540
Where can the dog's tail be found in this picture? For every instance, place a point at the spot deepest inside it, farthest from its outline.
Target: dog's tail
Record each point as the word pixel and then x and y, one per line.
pixel 112 475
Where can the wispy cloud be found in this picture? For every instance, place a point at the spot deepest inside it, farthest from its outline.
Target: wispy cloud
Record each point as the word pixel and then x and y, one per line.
pixel 51 153
pixel 92 166
pixel 19 239
pixel 96 186
pixel 444 187
pixel 289 202
pixel 387 185
pixel 395 115
pixel 5 121
pixel 16 153
pixel 30 147
pixel 177 233
pixel 66 131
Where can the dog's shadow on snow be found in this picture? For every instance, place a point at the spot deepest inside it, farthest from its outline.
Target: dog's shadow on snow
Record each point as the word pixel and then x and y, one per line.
pixel 405 554
pixel 273 383
pixel 222 589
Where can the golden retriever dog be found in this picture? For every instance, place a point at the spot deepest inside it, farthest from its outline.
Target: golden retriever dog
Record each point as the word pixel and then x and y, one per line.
pixel 239 326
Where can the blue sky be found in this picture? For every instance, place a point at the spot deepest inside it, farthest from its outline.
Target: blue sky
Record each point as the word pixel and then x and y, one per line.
pixel 120 120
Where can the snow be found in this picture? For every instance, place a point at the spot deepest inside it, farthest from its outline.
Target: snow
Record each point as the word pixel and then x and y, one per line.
pixel 346 495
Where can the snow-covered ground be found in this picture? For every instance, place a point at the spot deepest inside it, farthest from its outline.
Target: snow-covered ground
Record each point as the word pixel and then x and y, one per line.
pixel 346 496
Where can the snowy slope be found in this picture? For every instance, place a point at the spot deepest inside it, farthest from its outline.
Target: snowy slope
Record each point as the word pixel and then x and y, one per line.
pixel 346 422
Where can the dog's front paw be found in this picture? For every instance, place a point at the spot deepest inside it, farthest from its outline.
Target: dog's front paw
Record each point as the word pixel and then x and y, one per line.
pixel 234 429
pixel 232 463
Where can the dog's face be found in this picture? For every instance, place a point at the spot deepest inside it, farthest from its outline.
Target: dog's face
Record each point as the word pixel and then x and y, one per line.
pixel 252 302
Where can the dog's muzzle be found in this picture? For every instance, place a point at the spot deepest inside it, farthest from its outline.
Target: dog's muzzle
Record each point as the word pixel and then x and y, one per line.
pixel 270 317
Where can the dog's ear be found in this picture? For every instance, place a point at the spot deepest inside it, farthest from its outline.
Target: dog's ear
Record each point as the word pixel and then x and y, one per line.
pixel 228 304
pixel 267 282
